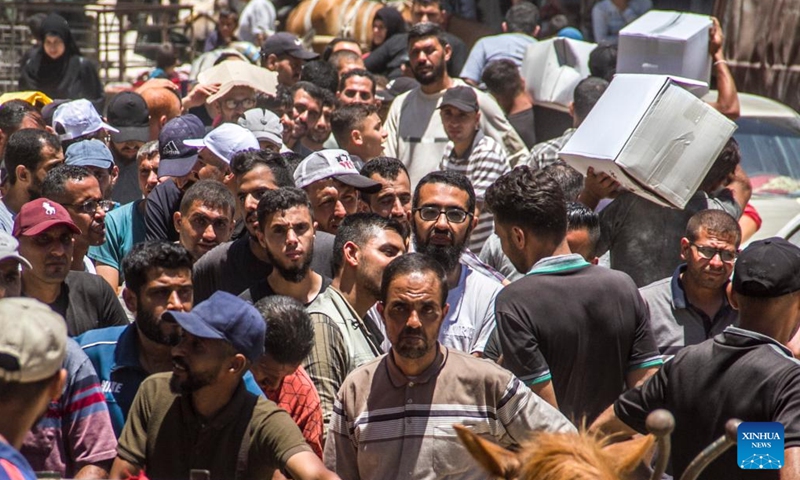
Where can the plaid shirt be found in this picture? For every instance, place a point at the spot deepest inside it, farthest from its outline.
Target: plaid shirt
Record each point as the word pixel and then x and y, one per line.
pixel 545 153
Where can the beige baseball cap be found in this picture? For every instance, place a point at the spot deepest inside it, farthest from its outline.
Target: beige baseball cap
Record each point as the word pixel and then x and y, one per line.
pixel 33 340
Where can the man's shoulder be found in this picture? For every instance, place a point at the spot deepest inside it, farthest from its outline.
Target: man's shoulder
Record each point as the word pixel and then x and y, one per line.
pixel 364 373
pixel 100 338
pixel 478 281
pixel 657 288
pixel 86 281
pixel 473 367
pixel 216 255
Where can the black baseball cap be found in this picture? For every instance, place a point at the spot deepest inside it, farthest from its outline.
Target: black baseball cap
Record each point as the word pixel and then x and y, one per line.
pixel 462 98
pixel 767 268
pixel 177 158
pixel 396 87
pixel 285 43
pixel 128 113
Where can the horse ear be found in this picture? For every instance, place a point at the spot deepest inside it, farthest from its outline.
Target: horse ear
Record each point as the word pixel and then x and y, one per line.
pixel 493 458
pixel 626 456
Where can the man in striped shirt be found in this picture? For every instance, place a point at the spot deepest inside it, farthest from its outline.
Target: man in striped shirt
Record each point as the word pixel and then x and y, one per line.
pixel 394 416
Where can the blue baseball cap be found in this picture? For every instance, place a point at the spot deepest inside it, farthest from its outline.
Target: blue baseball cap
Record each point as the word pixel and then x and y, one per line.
pixel 89 153
pixel 226 317
pixel 177 158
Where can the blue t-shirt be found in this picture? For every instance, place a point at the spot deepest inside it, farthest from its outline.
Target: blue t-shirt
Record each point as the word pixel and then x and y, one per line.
pixel 13 465
pixel 124 229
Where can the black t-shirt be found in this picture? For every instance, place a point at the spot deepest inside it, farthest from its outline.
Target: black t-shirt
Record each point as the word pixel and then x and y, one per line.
pixel 162 203
pixel 737 374
pixel 583 328
pixel 524 123
pixel 87 302
pixel 264 289
pixel 232 267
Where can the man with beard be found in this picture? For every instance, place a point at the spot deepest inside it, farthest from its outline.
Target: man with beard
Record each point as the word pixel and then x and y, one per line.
pixel 692 305
pixel 344 337
pixel 443 217
pixel 201 416
pixel 76 189
pixel 286 231
pixel 128 113
pixel 394 401
pixel 416 134
pixel 311 110
pixel 30 154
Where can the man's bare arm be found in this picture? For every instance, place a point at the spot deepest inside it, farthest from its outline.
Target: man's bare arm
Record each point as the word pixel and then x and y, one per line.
pixel 307 466
pixel 123 469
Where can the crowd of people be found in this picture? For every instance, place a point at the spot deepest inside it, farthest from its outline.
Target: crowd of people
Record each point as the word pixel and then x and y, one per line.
pixel 313 266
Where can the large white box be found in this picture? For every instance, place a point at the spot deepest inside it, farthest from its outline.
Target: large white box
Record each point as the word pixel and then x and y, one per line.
pixel 552 68
pixel 653 136
pixel 666 43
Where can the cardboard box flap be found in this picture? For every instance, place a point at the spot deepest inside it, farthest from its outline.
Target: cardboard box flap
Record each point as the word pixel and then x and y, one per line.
pixel 552 68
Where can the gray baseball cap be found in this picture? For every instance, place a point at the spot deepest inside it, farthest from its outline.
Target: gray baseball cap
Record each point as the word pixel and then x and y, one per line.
pixel 332 163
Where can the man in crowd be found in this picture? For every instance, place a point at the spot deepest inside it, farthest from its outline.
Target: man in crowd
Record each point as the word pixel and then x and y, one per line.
pixel 29 155
pixel 17 115
pixel 240 83
pixel 94 156
pixel 219 340
pixel 284 53
pixel 125 225
pixel 357 129
pixel 692 306
pixel 504 83
pixel 205 218
pixel 11 263
pixel 394 198
pixel 286 231
pixel 163 103
pixel 442 221
pixel 235 266
pixel 344 338
pixel 217 149
pixel 311 110
pixel 128 113
pixel 279 371
pixel 78 120
pixel 416 134
pixel 345 61
pixel 583 232
pixel 575 354
pixel 705 385
pixel 332 183
pixel 422 382
pixel 357 86
pixel 265 126
pixel 76 189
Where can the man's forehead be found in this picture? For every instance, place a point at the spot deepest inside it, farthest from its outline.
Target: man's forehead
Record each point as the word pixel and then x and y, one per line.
pixel 419 285
pixel 202 208
pixel 442 193
pixel 161 276
pixel 425 42
pixel 293 215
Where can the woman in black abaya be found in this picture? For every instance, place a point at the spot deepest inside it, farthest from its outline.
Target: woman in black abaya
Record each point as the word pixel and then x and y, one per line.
pixel 58 69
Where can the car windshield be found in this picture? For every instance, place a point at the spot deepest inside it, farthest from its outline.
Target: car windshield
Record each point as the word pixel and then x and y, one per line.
pixel 771 154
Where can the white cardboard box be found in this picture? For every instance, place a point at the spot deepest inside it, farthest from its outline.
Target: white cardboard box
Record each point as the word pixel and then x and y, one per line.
pixel 653 136
pixel 666 43
pixel 552 68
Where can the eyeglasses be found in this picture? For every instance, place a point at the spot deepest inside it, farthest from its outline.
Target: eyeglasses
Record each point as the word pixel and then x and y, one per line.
pixel 90 206
pixel 708 253
pixel 246 103
pixel 453 215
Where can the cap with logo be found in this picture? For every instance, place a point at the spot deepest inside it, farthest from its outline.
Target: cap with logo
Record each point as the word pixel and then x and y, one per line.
pixel 9 249
pixel 33 340
pixel 239 74
pixel 332 163
pixel 767 268
pixel 40 215
pixel 177 158
pixel 78 118
pixel 89 153
pixel 462 98
pixel 226 141
pixel 128 113
pixel 285 43
pixel 264 124
pixel 225 317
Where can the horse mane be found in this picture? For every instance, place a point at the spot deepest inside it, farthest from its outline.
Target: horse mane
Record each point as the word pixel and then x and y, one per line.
pixel 556 456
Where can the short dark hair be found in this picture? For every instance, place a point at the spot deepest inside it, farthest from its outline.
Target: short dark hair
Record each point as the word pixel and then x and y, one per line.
pixel 227 13
pixel 146 256
pixel 386 167
pixel 502 78
pixel 448 178
pixel 211 193
pixel 328 51
pixel 357 72
pixel 569 179
pixel 581 217
pixel 347 118
pixel 442 4
pixel 522 17
pixel 426 29
pixel 603 61
pixel 290 332
pixel 166 56
pixel 291 160
pixel 324 96
pixel 279 200
pixel 54 185
pixel 25 148
pixel 359 228
pixel 718 222
pixel 586 94
pixel 724 165
pixel 321 74
pixel 340 55
pixel 529 199
pixel 13 112
pixel 247 160
pixel 414 263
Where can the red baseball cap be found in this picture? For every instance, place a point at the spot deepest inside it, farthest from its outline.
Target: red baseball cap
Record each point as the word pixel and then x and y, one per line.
pixel 40 215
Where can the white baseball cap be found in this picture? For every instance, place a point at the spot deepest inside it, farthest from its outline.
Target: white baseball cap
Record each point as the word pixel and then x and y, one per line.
pixel 9 248
pixel 334 163
pixel 226 141
pixel 78 118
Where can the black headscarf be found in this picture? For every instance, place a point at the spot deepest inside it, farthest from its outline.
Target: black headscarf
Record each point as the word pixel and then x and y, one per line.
pixel 57 78
pixel 393 21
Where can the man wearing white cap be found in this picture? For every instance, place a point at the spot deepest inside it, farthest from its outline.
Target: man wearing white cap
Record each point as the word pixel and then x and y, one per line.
pixel 332 183
pixel 78 120
pixel 266 126
pixel 96 157
pixel 10 263
pixel 217 149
